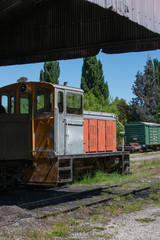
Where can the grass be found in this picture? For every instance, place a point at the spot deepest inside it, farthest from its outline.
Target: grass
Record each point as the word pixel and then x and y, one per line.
pixel 99 229
pixel 145 220
pixel 85 229
pixel 155 197
pixel 146 164
pixel 119 206
pixel 139 169
pixel 100 218
pixel 60 230
pixel 67 227
pixel 105 236
pixel 101 177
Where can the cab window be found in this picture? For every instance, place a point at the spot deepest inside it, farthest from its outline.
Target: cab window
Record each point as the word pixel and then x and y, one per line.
pixel 4 102
pixel 44 101
pixel 12 102
pixel 74 103
pixel 24 104
pixel 60 102
pixel 8 102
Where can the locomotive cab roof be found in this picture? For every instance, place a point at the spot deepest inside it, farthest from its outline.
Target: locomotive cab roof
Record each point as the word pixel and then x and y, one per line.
pixel 40 98
pixel 44 84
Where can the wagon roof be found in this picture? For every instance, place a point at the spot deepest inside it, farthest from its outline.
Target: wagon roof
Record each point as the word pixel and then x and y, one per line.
pixel 144 123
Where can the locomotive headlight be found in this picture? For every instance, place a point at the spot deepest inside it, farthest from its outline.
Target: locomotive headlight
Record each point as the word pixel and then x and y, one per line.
pixel 23 87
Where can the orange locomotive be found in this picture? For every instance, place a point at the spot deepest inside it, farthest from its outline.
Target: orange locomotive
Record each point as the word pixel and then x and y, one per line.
pixel 47 138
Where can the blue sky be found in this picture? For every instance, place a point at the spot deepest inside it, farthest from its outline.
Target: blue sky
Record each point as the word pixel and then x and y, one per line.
pixel 119 71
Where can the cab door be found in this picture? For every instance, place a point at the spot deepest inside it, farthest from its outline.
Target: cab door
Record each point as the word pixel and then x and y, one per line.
pixel 43 122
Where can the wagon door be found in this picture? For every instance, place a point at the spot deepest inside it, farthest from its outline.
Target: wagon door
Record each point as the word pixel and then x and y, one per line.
pixel 153 135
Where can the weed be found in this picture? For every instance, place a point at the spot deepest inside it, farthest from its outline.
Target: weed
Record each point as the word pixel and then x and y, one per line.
pixel 37 211
pixel 155 197
pixel 33 234
pixel 105 236
pixel 119 205
pixel 111 227
pixel 100 177
pixel 138 170
pixel 73 222
pixel 83 209
pixel 60 230
pixel 156 214
pixel 73 239
pixel 85 228
pixel 155 185
pixel 99 229
pixel 95 217
pixel 145 220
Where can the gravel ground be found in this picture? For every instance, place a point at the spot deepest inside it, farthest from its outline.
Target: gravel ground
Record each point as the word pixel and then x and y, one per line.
pixel 127 228
pixel 145 156
pixel 122 227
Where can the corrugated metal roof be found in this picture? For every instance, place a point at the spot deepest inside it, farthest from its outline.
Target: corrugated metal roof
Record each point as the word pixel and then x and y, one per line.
pixel 151 124
pixel 38 30
pixel 143 12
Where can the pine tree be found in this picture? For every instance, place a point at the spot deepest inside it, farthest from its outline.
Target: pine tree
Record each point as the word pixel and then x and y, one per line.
pixel 50 72
pixel 157 76
pixel 93 79
pixel 144 88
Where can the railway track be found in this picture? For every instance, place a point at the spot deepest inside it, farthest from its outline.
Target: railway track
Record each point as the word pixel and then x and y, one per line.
pixel 91 201
pixel 71 202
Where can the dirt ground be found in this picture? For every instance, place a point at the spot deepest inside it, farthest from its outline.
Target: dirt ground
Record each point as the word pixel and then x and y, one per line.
pixel 141 225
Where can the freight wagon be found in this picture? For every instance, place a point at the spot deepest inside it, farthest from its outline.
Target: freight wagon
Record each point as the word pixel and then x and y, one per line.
pixel 147 135
pixel 47 138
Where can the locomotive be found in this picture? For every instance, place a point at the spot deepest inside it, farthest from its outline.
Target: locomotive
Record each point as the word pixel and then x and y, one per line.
pixel 46 137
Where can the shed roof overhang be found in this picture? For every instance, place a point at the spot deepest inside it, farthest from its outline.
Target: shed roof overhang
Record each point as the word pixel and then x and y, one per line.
pixel 44 30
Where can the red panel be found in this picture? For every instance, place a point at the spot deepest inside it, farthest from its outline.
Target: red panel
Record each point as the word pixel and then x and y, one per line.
pixel 101 136
pixel 110 135
pixel 85 135
pixel 114 136
pixel 92 135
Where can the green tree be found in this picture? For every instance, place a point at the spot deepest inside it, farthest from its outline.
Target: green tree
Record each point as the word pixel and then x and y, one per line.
pixel 144 88
pixel 124 114
pixel 92 103
pixel 93 79
pixel 50 72
pixel 157 77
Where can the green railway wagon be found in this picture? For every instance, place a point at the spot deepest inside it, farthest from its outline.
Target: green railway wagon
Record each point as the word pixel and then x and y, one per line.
pixel 144 133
